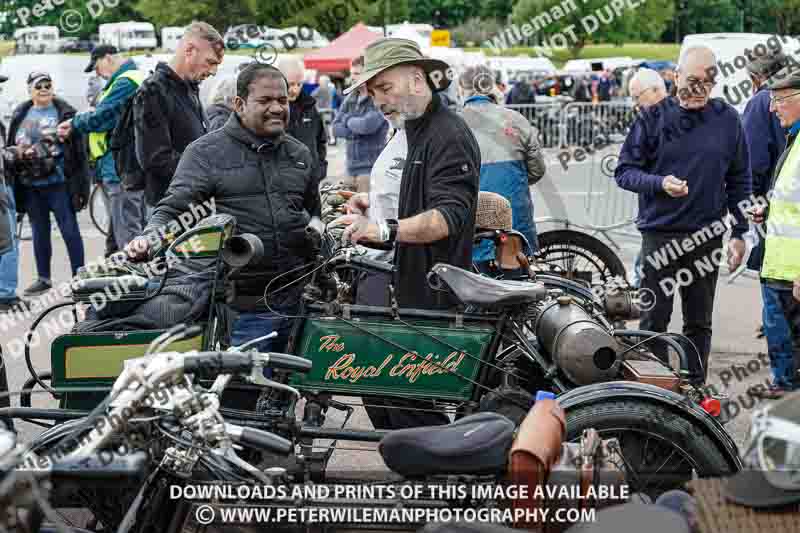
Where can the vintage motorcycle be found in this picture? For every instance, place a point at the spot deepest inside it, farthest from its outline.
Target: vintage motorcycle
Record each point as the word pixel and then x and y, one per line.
pixel 515 338
pixel 159 430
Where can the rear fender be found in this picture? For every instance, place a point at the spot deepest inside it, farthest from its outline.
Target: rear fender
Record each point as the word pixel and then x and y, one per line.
pixel 616 390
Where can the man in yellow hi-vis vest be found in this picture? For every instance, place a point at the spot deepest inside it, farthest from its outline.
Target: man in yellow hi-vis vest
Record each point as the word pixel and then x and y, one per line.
pixel 781 268
pixel 123 80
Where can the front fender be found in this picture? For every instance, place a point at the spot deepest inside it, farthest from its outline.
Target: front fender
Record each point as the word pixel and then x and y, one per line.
pixel 599 392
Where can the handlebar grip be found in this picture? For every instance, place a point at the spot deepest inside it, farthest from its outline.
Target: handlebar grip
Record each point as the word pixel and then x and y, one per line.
pixel 128 469
pixel 210 364
pixel 284 361
pixel 378 266
pixel 262 440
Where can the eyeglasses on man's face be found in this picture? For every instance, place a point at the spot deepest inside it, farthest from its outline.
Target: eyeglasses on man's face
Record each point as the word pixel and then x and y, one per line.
pixel 776 101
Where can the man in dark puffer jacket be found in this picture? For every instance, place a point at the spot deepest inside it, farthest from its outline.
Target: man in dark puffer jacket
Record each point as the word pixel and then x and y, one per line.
pixel 257 173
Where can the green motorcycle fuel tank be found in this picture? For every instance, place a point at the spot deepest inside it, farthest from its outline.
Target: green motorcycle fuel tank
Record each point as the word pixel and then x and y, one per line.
pixel 378 355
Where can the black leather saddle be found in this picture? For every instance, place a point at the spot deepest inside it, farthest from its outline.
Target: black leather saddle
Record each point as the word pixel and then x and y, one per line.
pixel 479 290
pixel 475 445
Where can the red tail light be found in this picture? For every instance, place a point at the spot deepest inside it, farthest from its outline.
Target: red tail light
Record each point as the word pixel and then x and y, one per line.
pixel 711 406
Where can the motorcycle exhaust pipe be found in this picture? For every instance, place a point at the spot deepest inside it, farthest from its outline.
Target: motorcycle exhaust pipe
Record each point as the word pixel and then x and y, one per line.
pixel 577 343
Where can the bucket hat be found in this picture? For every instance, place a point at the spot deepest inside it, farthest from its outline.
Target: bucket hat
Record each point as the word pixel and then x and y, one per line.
pixel 389 52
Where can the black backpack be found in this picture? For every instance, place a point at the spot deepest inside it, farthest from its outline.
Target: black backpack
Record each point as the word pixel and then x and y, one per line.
pixel 122 143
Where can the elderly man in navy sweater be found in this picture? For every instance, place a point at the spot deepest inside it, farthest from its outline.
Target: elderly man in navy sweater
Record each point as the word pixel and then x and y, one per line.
pixel 688 159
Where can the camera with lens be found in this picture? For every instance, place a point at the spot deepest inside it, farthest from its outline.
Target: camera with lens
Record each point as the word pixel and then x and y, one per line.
pixel 38 161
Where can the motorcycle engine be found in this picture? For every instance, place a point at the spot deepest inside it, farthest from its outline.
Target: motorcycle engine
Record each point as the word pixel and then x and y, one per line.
pixel 581 348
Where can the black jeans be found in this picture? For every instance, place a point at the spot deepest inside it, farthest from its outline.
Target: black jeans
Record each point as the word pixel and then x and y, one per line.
pixel 693 274
pixel 393 413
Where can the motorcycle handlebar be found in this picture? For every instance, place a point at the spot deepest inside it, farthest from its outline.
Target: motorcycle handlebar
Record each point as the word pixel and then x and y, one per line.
pixel 259 439
pixel 364 262
pixel 210 364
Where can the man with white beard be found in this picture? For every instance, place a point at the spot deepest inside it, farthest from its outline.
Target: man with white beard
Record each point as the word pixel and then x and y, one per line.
pixel 438 193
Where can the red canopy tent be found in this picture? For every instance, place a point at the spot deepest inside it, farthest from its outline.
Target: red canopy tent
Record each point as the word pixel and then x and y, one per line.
pixel 336 57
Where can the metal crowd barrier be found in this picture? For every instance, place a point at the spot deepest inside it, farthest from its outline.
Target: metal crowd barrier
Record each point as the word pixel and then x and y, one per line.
pixel 546 118
pixel 578 123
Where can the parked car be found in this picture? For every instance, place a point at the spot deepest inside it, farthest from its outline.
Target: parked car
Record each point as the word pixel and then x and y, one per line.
pixel 72 44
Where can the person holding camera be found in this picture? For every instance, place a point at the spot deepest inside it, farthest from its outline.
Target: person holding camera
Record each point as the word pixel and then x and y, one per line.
pixel 50 176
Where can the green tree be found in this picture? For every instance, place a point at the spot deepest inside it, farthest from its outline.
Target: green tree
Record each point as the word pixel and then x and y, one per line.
pixel 711 16
pixel 496 9
pixel 328 17
pixel 786 14
pixel 388 11
pixel 91 15
pixel 452 12
pixel 219 13
pixel 591 21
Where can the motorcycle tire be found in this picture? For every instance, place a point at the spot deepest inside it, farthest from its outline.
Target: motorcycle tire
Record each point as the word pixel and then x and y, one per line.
pixel 676 431
pixel 556 243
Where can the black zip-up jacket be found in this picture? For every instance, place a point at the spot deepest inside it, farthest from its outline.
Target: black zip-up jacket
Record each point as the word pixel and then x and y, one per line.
pixel 442 171
pixel 306 125
pixel 76 158
pixel 270 188
pixel 168 117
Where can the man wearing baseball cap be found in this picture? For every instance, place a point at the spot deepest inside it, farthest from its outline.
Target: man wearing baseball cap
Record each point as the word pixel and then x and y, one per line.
pixel 123 80
pixel 439 190
pixel 781 267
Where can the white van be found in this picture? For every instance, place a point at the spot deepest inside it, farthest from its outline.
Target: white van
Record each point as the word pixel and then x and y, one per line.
pixel 170 35
pixel 129 35
pixel 733 81
pixel 37 40
pixel 596 65
pixel 522 68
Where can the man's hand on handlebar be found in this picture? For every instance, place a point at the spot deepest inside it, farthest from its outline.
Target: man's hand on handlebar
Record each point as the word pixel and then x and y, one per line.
pixel 357 204
pixel 359 228
pixel 137 249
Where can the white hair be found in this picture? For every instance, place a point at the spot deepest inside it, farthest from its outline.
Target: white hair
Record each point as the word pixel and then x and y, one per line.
pixel 223 92
pixel 647 78
pixel 695 50
pixel 289 64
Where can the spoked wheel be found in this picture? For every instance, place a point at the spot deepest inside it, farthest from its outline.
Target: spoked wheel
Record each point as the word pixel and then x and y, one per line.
pixel 100 209
pixel 661 448
pixel 578 256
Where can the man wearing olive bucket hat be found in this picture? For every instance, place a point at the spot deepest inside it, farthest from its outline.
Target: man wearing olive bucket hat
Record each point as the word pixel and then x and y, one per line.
pixel 439 189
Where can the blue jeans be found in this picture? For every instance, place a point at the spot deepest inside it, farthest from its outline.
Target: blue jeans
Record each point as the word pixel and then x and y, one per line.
pixel 778 329
pixel 249 326
pixel 39 202
pixel 637 270
pixel 9 261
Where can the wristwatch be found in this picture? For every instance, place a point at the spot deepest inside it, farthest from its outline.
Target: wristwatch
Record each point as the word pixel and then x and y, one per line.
pixel 394 225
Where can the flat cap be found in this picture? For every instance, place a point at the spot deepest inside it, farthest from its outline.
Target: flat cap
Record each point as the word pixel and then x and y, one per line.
pixel 786 78
pixel 768 63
